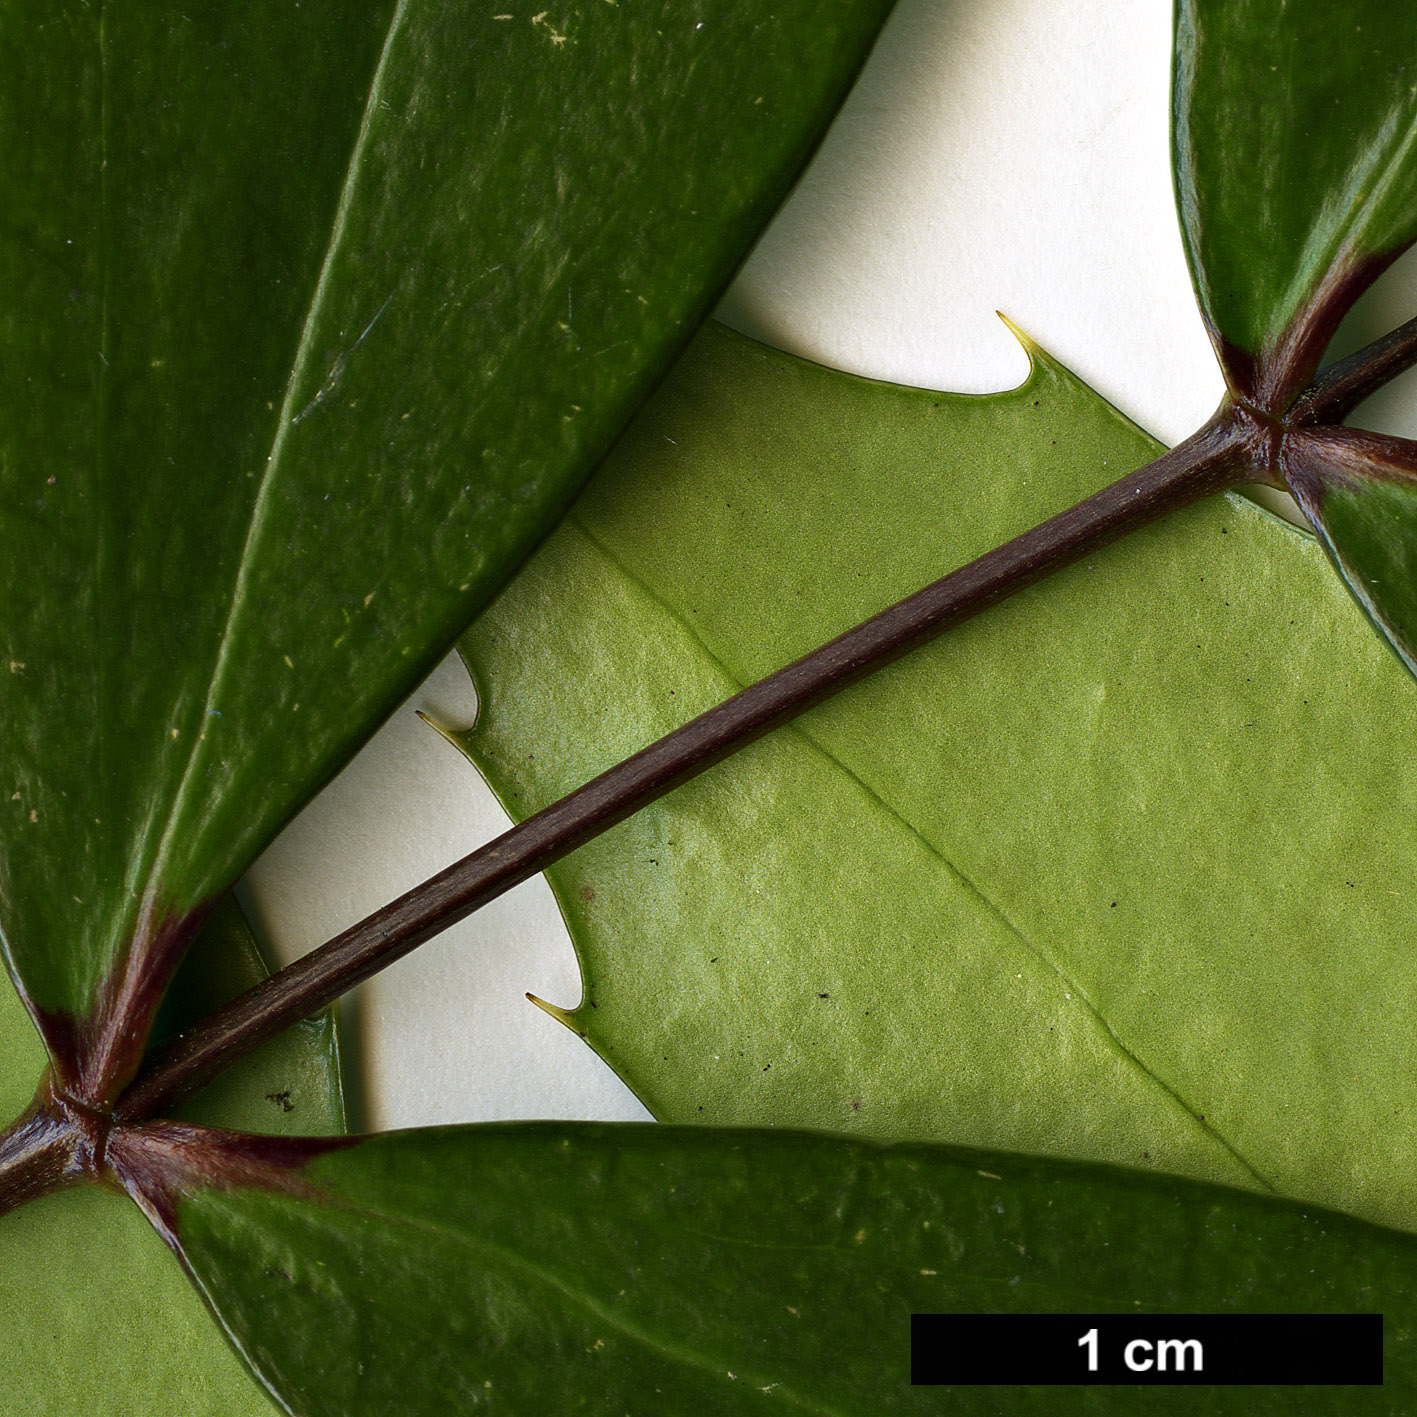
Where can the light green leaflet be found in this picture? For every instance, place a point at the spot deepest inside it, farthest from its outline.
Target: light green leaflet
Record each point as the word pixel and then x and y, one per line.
pixel 1095 876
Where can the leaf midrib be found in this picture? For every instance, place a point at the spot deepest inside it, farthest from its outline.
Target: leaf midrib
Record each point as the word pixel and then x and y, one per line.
pixel 150 878
pixel 103 559
pixel 1127 1056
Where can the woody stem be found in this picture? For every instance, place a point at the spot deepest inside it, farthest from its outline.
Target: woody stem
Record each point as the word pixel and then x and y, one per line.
pixel 1215 458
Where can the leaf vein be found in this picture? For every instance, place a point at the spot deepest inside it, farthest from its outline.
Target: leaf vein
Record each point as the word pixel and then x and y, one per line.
pixel 526 1267
pixel 152 906
pixel 1126 1055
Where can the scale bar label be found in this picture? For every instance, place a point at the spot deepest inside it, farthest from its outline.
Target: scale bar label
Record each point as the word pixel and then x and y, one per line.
pixel 1215 1349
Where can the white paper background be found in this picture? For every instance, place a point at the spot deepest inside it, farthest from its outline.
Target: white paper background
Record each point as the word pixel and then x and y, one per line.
pixel 997 155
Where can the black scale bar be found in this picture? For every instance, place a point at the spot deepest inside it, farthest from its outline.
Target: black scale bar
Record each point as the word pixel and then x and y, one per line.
pixel 1229 1349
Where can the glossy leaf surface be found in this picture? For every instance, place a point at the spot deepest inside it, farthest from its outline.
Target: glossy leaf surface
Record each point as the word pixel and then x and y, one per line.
pixel 1295 150
pixel 98 1319
pixel 1095 875
pixel 1359 490
pixel 315 320
pixel 641 1270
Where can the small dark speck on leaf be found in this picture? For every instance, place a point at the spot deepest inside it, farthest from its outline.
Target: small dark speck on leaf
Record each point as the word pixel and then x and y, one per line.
pixel 714 960
pixel 1114 905
pixel 284 1102
pixel 824 996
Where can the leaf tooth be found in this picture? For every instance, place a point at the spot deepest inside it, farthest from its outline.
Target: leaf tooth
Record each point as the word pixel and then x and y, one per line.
pixel 562 1016
pixel 1031 347
pixel 458 737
